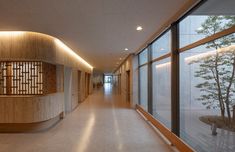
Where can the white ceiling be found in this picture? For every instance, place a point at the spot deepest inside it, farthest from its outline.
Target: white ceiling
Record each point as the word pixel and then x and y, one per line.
pixel 98 30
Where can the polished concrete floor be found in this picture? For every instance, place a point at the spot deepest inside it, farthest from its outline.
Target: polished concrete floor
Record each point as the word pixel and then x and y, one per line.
pixel 103 123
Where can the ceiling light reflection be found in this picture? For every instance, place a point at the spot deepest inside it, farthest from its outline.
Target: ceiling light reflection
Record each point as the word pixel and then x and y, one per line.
pixel 163 65
pixel 208 54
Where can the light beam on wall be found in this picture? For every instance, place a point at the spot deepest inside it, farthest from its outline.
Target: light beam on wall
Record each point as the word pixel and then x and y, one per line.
pixel 210 53
pixel 163 65
pixel 57 42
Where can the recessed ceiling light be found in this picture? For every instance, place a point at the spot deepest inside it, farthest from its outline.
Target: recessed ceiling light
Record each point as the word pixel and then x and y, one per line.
pixel 139 28
pixel 126 49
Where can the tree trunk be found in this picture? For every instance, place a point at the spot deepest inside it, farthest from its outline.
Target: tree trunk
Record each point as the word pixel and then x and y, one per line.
pixel 234 113
pixel 222 111
pixel 228 92
pixel 228 112
pixel 217 79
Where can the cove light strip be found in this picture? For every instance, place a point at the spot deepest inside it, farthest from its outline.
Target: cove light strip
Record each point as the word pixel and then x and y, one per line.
pixel 71 52
pixel 57 42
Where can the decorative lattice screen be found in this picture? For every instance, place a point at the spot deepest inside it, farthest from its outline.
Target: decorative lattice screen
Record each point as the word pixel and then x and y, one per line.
pixel 21 78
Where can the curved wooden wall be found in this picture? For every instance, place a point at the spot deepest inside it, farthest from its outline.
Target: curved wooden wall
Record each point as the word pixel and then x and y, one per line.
pixel 33 111
pixel 34 46
pixel 30 109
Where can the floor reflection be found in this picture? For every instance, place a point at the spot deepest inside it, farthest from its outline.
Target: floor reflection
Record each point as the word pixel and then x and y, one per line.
pixel 102 123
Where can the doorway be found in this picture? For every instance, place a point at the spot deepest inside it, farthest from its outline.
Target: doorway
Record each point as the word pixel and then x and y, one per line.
pixel 79 87
pixel 108 79
pixel 87 83
pixel 119 83
pixel 128 87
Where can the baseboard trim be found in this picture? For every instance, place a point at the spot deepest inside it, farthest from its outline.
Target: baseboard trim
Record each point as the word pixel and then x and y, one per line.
pixel 29 127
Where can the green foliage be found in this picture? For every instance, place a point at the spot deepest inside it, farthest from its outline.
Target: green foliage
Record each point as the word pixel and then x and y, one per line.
pixel 216 71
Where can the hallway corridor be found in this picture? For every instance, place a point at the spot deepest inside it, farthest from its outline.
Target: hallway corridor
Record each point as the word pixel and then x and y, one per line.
pixel 103 123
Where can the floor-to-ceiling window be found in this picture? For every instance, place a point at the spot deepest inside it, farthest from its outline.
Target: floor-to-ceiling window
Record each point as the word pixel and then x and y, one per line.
pixel 143 79
pixel 161 79
pixel 207 82
pixel 204 52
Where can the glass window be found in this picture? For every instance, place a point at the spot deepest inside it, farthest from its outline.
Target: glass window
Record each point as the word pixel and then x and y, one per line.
pixel 143 57
pixel 207 96
pixel 162 45
pixel 161 71
pixel 212 17
pixel 144 87
pixel 108 79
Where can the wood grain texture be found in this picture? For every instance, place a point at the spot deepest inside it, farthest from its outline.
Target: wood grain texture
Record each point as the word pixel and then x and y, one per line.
pixel 29 109
pixel 32 46
pixel 29 127
pixel 123 85
pixel 49 78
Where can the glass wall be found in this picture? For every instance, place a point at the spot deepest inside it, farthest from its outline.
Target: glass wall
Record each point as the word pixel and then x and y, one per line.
pixel 161 79
pixel 206 87
pixel 144 87
pixel 162 45
pixel 161 71
pixel 212 17
pixel 143 57
pixel 207 84
pixel 207 95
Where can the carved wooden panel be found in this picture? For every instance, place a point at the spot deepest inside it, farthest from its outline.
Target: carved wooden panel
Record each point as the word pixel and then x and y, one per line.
pixel 21 78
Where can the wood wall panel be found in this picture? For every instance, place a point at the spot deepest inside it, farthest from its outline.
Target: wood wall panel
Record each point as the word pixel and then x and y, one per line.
pixel 122 71
pixel 49 78
pixel 31 46
pixel 30 109
pixel 39 47
pixel 60 78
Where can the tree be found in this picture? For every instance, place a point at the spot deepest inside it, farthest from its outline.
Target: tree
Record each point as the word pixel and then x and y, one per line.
pixel 218 68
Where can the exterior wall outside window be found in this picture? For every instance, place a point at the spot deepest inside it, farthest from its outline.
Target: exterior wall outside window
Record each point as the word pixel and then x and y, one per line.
pixel 162 91
pixel 144 87
pixel 205 71
pixel 143 57
pixel 162 45
pixel 199 103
